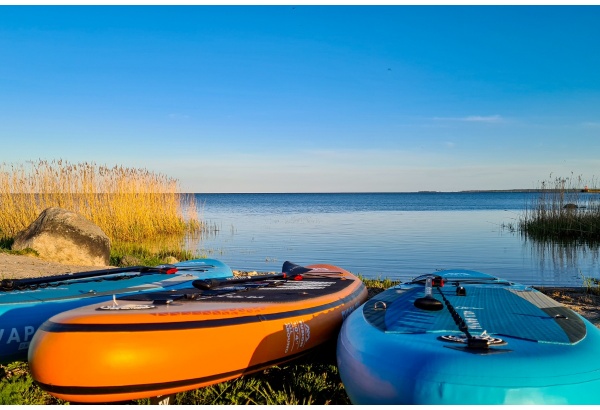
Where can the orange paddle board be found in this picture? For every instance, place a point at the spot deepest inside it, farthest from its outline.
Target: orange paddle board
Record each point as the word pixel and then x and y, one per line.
pixel 161 343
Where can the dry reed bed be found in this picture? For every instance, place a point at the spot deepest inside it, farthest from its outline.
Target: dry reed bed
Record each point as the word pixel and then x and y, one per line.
pixel 128 204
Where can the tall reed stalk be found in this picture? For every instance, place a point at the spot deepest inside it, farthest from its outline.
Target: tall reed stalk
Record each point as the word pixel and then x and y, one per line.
pixel 128 204
pixel 563 212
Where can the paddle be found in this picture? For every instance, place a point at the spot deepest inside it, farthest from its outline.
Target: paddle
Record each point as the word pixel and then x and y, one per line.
pixel 428 302
pixel 289 270
pixel 11 284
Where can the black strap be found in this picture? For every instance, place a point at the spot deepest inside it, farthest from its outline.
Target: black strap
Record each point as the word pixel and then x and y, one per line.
pixel 472 342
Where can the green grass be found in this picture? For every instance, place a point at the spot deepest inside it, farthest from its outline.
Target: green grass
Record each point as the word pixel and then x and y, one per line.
pixel 378 283
pixel 17 387
pixel 591 285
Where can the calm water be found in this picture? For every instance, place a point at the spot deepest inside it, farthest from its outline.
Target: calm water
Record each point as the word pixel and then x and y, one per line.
pixel 398 236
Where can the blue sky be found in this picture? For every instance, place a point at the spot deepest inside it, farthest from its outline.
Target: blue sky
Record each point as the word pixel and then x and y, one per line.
pixel 307 98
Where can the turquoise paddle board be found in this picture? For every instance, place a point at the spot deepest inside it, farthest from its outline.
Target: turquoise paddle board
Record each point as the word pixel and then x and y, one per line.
pixel 464 337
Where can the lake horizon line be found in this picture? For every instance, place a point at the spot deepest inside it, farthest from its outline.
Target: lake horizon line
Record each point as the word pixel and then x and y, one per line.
pixel 472 191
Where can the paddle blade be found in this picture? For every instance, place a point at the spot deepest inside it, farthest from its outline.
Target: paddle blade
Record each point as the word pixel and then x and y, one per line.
pixel 206 284
pixel 291 269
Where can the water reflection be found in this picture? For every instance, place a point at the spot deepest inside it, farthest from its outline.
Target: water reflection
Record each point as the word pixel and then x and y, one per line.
pixel 558 256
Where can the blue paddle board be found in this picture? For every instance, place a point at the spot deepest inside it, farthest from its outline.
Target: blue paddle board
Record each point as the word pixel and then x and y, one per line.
pixel 464 337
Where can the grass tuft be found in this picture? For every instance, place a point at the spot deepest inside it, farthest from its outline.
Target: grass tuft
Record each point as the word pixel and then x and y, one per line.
pixel 591 285
pixel 17 387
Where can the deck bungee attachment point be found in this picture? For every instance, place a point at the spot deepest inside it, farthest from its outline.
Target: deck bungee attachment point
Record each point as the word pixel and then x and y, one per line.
pixel 464 339
pixel 115 306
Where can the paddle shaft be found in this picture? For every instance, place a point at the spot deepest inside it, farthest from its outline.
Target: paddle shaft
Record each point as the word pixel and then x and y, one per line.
pixel 213 283
pixel 9 284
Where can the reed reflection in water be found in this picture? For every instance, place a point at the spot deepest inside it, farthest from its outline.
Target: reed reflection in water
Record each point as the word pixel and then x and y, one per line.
pixel 554 257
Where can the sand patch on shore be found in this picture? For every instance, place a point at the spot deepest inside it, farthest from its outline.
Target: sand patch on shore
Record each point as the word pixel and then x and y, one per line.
pixel 19 267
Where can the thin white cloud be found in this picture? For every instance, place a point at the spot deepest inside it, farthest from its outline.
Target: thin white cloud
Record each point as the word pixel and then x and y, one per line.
pixel 591 124
pixel 478 118
pixel 473 118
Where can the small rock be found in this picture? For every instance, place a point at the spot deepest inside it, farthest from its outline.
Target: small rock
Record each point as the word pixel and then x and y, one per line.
pixel 170 260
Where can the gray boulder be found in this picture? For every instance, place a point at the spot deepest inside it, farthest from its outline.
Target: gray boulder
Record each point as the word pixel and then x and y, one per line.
pixel 66 237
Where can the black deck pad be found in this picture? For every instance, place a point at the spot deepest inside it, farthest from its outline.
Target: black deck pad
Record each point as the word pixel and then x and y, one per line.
pixel 276 291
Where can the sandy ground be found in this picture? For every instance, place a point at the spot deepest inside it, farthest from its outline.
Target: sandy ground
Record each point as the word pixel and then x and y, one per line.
pixel 585 303
pixel 16 267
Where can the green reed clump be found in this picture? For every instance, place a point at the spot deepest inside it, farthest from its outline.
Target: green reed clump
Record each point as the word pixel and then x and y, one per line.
pixel 563 212
pixel 153 251
pixel 378 283
pixel 591 284
pixel 128 204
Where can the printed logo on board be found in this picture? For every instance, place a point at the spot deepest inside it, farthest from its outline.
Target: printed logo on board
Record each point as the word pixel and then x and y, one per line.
pixel 21 335
pixel 457 274
pixel 298 334
pixel 299 285
pixel 347 312
pixel 471 320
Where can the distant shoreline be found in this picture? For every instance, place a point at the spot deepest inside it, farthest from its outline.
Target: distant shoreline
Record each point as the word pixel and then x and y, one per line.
pixel 471 191
pixel 526 190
